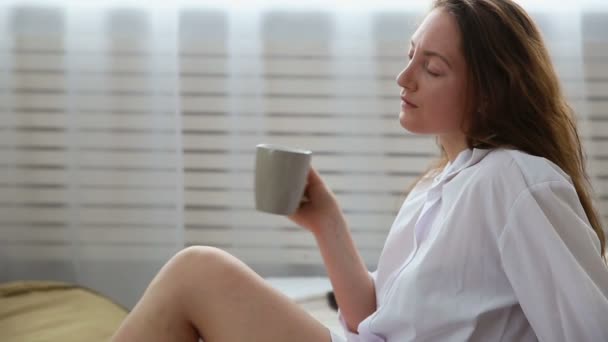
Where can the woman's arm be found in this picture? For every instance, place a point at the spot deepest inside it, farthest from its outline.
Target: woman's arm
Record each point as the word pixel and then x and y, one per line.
pixel 353 286
pixel 551 256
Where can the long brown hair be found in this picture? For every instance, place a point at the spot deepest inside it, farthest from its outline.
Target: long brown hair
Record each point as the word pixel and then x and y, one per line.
pixel 516 100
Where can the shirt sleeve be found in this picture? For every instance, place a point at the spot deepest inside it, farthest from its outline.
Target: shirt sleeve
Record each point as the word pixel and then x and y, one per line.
pixel 551 257
pixel 352 336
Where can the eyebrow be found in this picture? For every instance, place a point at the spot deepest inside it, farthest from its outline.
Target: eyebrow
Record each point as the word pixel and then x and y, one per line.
pixel 433 54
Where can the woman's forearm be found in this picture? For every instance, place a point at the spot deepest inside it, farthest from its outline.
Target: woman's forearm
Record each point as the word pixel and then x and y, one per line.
pixel 352 284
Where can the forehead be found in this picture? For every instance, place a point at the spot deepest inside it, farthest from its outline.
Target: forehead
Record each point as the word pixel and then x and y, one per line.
pixel 439 32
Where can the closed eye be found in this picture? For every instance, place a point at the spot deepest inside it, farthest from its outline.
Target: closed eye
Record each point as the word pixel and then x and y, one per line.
pixel 432 73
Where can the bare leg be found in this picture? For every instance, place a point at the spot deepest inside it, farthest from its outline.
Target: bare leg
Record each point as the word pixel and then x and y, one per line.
pixel 206 292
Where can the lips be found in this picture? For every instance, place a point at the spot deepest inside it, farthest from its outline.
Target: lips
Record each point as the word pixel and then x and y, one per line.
pixel 408 103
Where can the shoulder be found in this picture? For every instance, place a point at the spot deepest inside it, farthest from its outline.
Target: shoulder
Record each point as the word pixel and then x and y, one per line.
pixel 537 170
pixel 514 168
pixel 490 192
pixel 495 183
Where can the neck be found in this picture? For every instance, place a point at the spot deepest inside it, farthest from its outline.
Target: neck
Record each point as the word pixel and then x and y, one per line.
pixel 453 145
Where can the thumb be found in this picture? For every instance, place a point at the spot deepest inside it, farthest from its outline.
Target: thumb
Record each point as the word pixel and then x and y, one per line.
pixel 316 189
pixel 314 184
pixel 313 178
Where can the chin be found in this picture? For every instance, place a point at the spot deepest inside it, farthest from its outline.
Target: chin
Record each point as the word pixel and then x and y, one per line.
pixel 409 124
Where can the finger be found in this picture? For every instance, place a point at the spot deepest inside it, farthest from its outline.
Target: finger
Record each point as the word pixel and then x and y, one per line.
pixel 313 176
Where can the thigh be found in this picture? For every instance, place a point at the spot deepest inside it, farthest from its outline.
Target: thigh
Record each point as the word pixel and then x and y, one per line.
pixel 239 305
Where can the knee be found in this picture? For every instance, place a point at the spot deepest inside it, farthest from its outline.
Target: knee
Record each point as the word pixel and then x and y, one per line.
pixel 198 256
pixel 202 262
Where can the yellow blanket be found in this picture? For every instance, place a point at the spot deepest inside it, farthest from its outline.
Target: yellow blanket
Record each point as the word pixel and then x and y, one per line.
pixel 33 311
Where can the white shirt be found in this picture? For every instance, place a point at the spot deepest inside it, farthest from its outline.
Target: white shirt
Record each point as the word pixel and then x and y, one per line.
pixel 496 248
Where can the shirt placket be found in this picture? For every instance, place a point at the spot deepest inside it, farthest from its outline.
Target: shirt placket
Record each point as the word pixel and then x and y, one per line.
pixel 420 231
pixel 429 211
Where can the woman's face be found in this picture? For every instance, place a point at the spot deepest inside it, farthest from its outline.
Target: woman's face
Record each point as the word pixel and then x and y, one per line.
pixel 433 84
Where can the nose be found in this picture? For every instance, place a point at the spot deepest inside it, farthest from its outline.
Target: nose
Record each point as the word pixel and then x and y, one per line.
pixel 406 79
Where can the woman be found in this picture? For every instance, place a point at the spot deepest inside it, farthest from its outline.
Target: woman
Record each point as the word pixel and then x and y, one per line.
pixel 499 242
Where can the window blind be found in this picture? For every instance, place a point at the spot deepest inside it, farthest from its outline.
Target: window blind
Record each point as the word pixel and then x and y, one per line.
pixel 131 125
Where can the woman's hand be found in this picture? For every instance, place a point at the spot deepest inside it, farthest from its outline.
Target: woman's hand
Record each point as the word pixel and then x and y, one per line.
pixel 320 208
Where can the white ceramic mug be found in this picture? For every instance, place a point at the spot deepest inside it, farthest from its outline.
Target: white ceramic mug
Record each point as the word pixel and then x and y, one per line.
pixel 280 178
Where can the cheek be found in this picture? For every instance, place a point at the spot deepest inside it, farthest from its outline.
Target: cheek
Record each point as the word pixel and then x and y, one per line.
pixel 445 104
pixel 442 110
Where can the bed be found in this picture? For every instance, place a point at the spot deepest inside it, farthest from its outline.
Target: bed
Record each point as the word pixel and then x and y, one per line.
pixel 32 311
pixel 36 311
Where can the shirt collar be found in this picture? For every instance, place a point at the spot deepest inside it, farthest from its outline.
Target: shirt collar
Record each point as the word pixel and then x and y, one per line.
pixel 463 160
